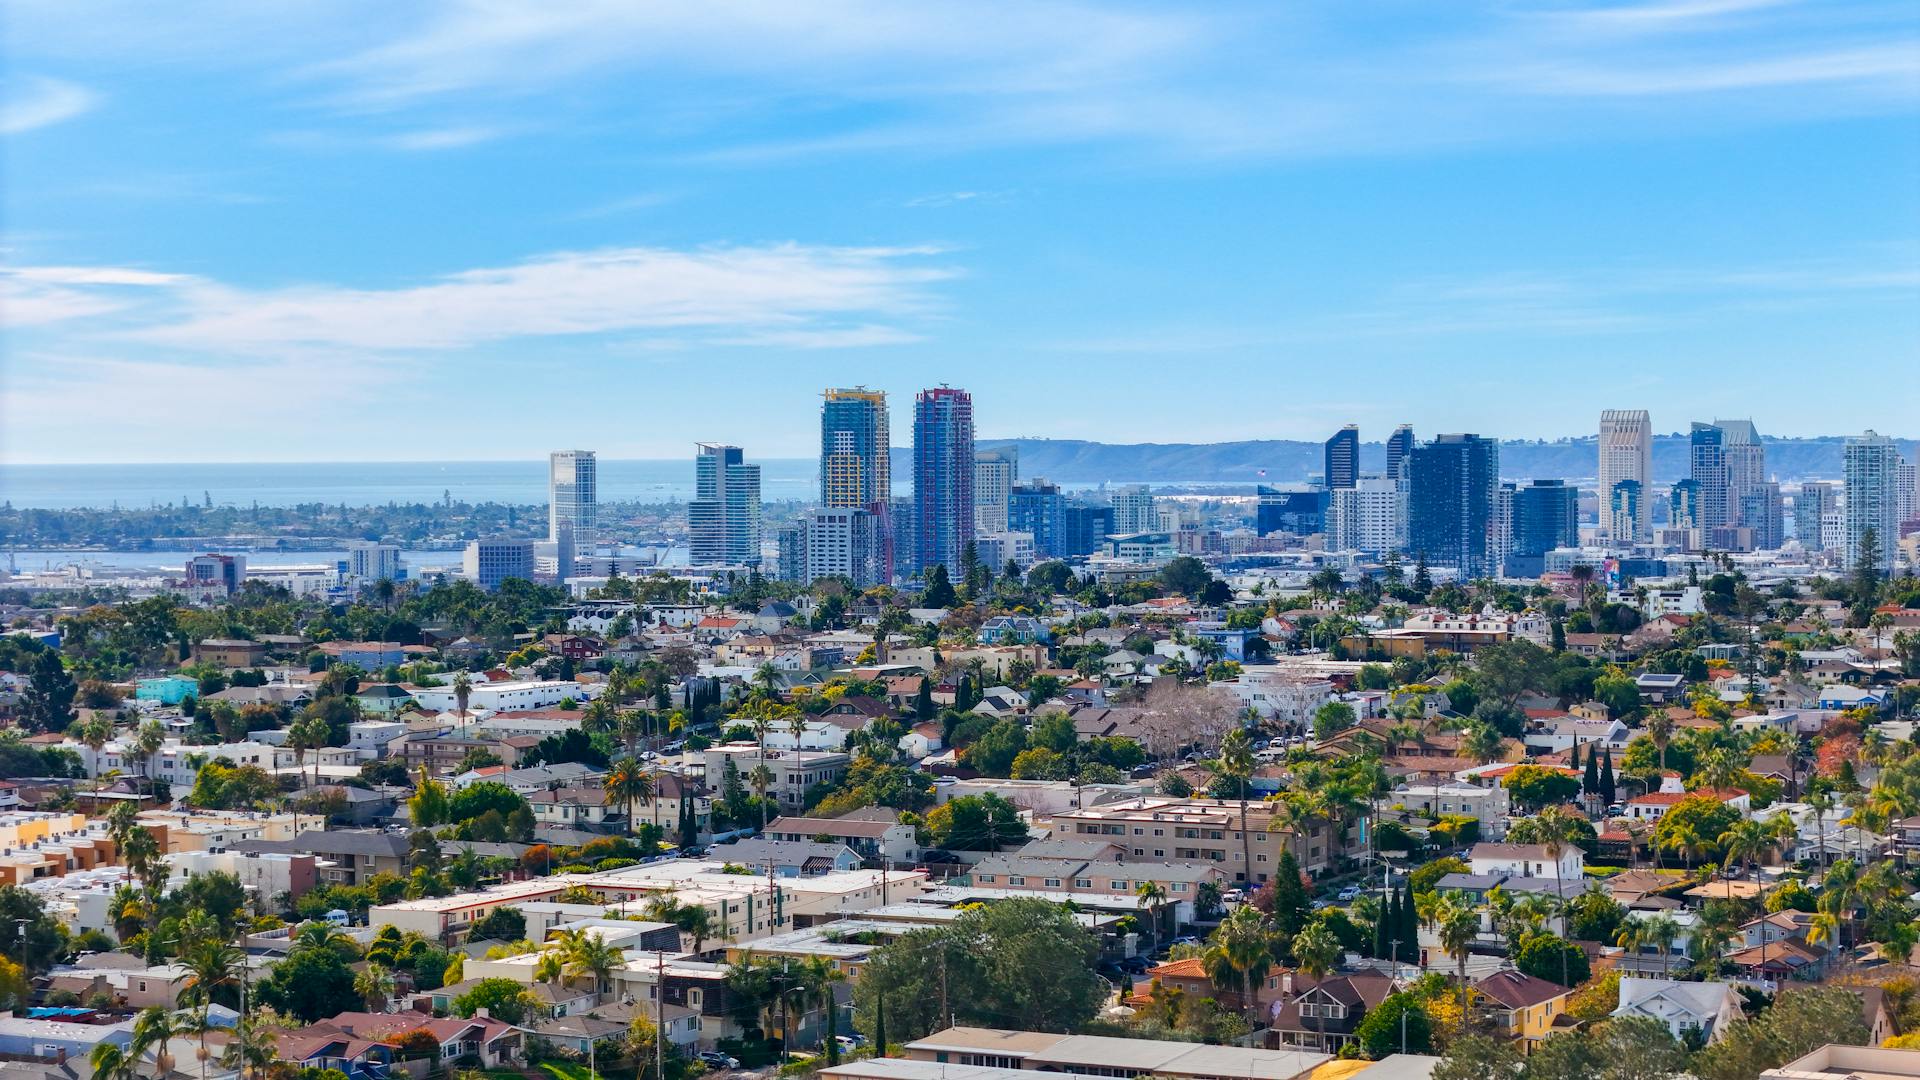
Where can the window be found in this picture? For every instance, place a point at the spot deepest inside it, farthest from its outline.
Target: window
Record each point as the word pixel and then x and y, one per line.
pixel 1120 886
pixel 696 997
pixel 1083 883
pixel 1016 879
pixel 986 877
pixel 1052 883
pixel 1179 886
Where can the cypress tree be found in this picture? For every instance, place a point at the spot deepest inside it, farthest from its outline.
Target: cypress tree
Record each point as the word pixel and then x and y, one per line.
pixel 1409 923
pixel 1590 783
pixel 1573 757
pixel 1606 776
pixel 1381 924
pixel 1291 907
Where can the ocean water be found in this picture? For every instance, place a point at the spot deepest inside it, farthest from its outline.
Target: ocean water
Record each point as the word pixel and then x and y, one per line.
pixel 65 487
pixel 28 562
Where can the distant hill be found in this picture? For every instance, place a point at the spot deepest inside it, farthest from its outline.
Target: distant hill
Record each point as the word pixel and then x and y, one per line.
pixel 1079 462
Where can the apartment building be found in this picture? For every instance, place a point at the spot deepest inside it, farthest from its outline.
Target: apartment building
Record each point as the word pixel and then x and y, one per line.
pixel 1220 831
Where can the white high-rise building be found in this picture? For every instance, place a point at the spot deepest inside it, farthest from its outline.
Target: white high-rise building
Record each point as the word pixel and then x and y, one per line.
pixel 1133 512
pixel 573 515
pixel 1812 506
pixel 1872 498
pixel 1370 516
pixel 843 541
pixel 994 473
pixel 1907 488
pixel 723 517
pixel 1626 453
pixel 368 561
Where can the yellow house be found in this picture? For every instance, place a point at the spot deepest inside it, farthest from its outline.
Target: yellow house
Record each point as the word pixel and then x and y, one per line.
pixel 1520 1005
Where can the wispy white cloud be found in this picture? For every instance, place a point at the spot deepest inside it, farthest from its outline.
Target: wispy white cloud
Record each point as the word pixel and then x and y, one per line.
pixel 36 101
pixel 451 138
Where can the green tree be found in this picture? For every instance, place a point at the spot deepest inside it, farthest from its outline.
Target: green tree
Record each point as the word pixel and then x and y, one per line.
pixel 1537 785
pixel 1478 1057
pixel 1381 1031
pixel 504 999
pixel 983 822
pixel 47 704
pixel 1797 1022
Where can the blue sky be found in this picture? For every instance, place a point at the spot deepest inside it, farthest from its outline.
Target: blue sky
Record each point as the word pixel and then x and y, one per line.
pixel 343 230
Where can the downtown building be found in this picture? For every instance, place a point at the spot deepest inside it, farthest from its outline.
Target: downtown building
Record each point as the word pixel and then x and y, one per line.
pixel 1343 458
pixel 1626 457
pixel 1369 517
pixel 1540 516
pixel 944 520
pixel 1451 501
pixel 723 518
pixel 1399 447
pixel 856 469
pixel 1872 502
pixel 573 511
pixel 1816 502
pixel 994 473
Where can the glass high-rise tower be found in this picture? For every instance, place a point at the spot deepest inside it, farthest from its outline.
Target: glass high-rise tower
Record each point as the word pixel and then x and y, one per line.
pixel 723 518
pixel 1343 458
pixel 1450 507
pixel 943 480
pixel 856 468
pixel 1626 454
pixel 573 514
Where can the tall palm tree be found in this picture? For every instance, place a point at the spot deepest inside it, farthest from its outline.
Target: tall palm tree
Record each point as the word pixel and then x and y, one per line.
pixel 1744 842
pixel 210 965
pixel 628 783
pixel 462 694
pixel 375 985
pixel 1236 765
pixel 1239 952
pixel 111 1062
pixel 820 975
pixel 1662 932
pixel 1457 924
pixel 1148 896
pixel 147 743
pixel 1660 729
pixel 252 1050
pixel 95 732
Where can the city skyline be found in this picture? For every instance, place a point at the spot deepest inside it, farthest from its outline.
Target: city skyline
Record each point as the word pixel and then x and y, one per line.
pixel 378 204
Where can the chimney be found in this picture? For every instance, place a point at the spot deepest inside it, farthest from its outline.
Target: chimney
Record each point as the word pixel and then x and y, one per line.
pixel 483 1013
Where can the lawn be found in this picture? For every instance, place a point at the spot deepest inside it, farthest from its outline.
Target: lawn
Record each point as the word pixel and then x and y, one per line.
pixel 563 1070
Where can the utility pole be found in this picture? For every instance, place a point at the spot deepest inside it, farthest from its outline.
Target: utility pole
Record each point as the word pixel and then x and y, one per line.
pixel 660 1016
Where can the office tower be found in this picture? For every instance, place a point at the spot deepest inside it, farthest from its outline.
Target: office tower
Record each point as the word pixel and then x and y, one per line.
pixel 999 549
pixel 1450 507
pixel 1811 507
pixel 1708 470
pixel 1369 517
pixel 1299 511
pixel 994 472
pixel 1683 505
pixel 368 560
pixel 790 558
pixel 1626 453
pixel 1036 507
pixel 942 478
pixel 573 516
pixel 1343 457
pixel 1762 513
pixel 1399 445
pixel 843 541
pixel 1746 459
pixel 723 518
pixel 1084 529
pixel 856 467
pixel 490 562
pixel 1625 515
pixel 1500 531
pixel 1546 516
pixel 227 572
pixel 1133 511
pixel 1871 503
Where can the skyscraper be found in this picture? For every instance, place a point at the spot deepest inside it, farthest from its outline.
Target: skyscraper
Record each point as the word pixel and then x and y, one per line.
pixel 573 515
pixel 1450 506
pixel 1762 513
pixel 856 469
pixel 1036 507
pixel 1907 492
pixel 1626 453
pixel 1708 460
pixel 1343 458
pixel 840 542
pixel 1399 445
pixel 1370 516
pixel 723 518
pixel 942 477
pixel 994 472
pixel 1625 507
pixel 1133 511
pixel 1811 506
pixel 1872 501
pixel 1746 458
pixel 1683 505
pixel 1545 516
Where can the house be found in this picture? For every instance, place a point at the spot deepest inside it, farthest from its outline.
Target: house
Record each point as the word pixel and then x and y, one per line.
pixel 491 1043
pixel 383 699
pixel 787 858
pixel 371 655
pixel 577 805
pixel 1189 976
pixel 1906 840
pixel 1528 860
pixel 1520 1005
pixel 125 978
pixel 1655 804
pixel 1013 630
pixel 229 652
pixel 1658 689
pixel 1703 1007
pixel 578 648
pixel 874 833
pixel 1323 1016
pixel 347 856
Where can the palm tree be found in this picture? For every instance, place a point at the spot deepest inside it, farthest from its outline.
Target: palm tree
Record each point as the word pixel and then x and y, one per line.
pixel 1149 896
pixel 375 986
pixel 1662 932
pixel 210 965
pixel 1660 729
pixel 462 693
pixel 111 1062
pixel 1484 743
pixel 1822 804
pixel 590 955
pixel 153 1032
pixel 146 744
pixel 1236 764
pixel 94 733
pixel 1457 924
pixel 252 1050
pixel 767 678
pixel 628 783
pixel 819 975
pixel 308 733
pixel 1239 953
pixel 1745 841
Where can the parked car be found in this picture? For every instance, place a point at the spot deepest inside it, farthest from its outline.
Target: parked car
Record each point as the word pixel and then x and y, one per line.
pixel 717 1060
pixel 1349 894
pixel 1184 939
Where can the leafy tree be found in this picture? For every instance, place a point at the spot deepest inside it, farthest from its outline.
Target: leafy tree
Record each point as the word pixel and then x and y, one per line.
pixel 1537 786
pixel 1477 1057
pixel 1380 1031
pixel 1185 576
pixel 34 939
pixel 504 999
pixel 501 924
pixel 47 704
pixel 993 752
pixel 312 983
pixel 939 592
pixel 1332 718
pixel 1797 1022
pixel 983 822
pixel 1545 956
pixel 1693 826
